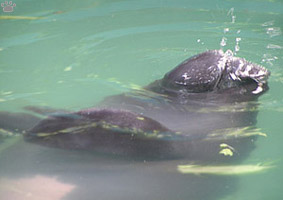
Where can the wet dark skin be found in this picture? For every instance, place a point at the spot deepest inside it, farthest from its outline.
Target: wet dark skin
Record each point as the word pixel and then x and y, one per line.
pixel 188 113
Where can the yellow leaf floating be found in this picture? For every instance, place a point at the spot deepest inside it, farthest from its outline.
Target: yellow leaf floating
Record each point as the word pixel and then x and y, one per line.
pixel 227 149
pixel 20 17
pixel 226 152
pixel 140 118
pixel 222 169
pixel 223 145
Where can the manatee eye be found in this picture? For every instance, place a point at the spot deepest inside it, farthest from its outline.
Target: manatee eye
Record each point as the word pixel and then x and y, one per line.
pixel 200 73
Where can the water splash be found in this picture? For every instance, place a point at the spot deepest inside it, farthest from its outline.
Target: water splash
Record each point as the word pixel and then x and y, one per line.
pixel 226 30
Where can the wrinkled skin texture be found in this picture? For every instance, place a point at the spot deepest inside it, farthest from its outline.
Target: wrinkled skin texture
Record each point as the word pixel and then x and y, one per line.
pixel 176 116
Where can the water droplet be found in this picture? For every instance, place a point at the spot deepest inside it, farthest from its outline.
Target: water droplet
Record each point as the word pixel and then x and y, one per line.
pixel 229 53
pixel 238 40
pixel 233 19
pixel 223 42
pixel 237 47
pixel 226 30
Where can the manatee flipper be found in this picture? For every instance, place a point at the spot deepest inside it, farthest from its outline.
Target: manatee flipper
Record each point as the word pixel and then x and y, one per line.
pixel 44 110
pixel 104 130
pixel 17 122
pixel 22 121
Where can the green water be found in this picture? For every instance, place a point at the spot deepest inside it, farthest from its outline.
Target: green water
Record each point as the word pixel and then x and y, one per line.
pixel 74 53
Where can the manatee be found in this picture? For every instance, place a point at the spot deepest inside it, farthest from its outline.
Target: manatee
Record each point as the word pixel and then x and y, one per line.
pixel 205 108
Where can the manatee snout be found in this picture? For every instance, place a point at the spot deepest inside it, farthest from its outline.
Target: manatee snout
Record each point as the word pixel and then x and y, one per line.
pixel 242 70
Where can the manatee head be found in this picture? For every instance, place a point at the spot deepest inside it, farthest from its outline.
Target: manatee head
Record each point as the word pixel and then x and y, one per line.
pixel 216 71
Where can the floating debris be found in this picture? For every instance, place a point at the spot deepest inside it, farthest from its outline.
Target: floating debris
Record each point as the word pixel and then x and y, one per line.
pixel 222 169
pixel 67 69
pixel 140 118
pixel 226 152
pixel 20 17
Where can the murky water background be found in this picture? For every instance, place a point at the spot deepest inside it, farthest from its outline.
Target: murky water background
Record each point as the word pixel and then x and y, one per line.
pixel 72 54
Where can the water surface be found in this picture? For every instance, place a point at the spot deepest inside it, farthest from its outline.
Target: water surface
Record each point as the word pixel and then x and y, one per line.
pixel 72 54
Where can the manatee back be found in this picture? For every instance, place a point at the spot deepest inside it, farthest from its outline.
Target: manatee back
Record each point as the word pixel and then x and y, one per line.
pixel 200 73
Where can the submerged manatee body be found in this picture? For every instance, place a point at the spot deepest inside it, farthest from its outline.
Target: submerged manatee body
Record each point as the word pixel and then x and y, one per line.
pixel 205 103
